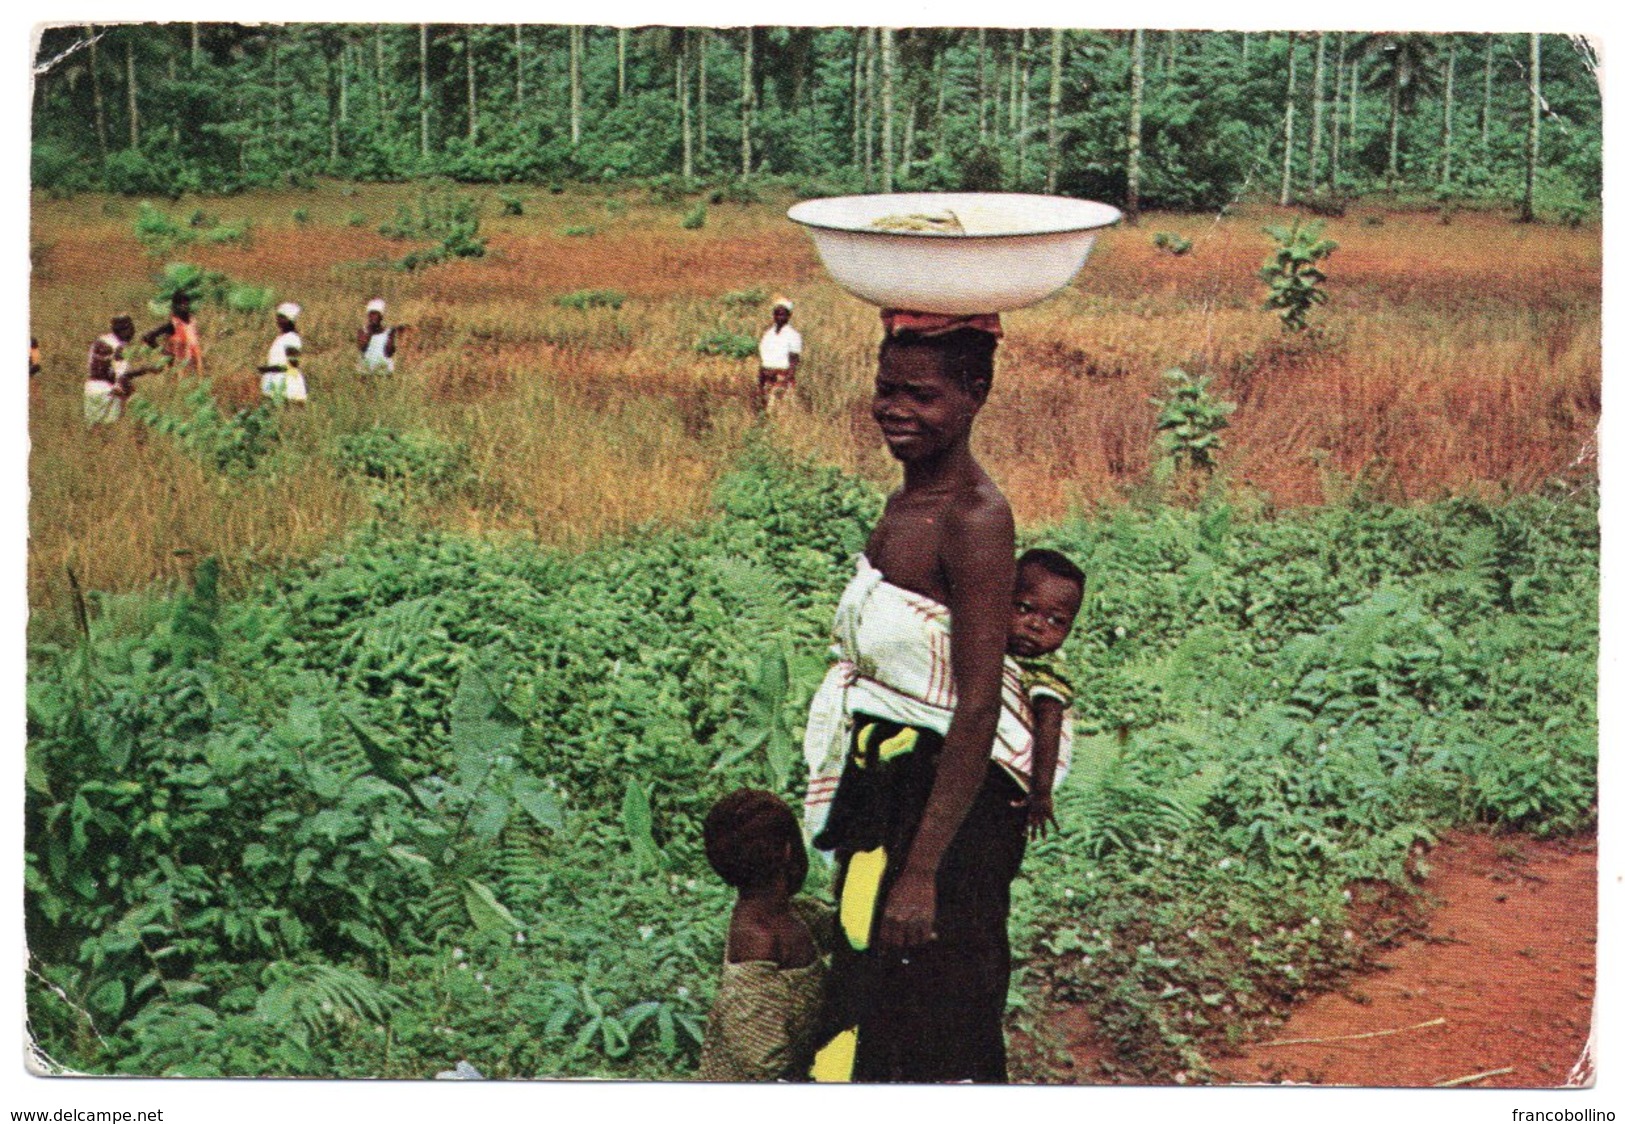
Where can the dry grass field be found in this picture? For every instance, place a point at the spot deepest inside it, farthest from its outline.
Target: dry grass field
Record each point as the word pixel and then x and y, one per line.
pixel 1459 356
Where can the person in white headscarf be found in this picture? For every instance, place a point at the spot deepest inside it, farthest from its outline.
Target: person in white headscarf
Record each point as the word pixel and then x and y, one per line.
pixel 280 378
pixel 376 342
pixel 780 355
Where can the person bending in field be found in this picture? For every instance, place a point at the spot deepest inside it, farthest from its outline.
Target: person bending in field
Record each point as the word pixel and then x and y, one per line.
pixel 376 342
pixel 780 355
pixel 761 1026
pixel 181 344
pixel 280 378
pixel 109 382
pixel 1049 593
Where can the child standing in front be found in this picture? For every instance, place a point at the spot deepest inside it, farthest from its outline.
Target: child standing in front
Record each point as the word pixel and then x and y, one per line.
pixel 761 1026
pixel 1049 593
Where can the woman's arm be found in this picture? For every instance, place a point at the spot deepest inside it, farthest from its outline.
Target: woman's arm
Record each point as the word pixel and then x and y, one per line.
pixel 978 555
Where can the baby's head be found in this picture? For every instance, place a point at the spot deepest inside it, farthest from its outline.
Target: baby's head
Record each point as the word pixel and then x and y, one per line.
pixel 1049 592
pixel 752 839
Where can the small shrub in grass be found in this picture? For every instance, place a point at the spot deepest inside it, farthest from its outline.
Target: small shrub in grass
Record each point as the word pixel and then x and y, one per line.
pixel 157 232
pixel 511 204
pixel 229 443
pixel 1171 243
pixel 744 298
pixel 694 219
pixel 301 216
pixel 733 345
pixel 1293 272
pixel 590 298
pixel 734 191
pixel 615 208
pixel 391 457
pixel 201 220
pixel 578 231
pixel 239 233
pixel 356 219
pixel 249 298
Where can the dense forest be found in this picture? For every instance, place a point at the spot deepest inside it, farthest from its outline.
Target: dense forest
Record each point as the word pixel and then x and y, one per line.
pixel 1157 119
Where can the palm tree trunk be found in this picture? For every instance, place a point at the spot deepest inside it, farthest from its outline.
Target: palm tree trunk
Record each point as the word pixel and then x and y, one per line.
pixel 130 88
pixel 1449 109
pixel 1136 109
pixel 344 84
pixel 1354 103
pixel 197 46
pixel 857 98
pixel 682 104
pixel 519 67
pixel 1484 111
pixel 1291 98
pixel 620 65
pixel 423 88
pixel 702 50
pixel 473 93
pixel 747 99
pixel 380 97
pixel 1393 136
pixel 578 46
pixel 888 80
pixel 1337 106
pixel 981 84
pixel 1026 101
pixel 939 123
pixel 1532 138
pixel 1052 171
pixel 99 108
pixel 871 52
pixel 1318 112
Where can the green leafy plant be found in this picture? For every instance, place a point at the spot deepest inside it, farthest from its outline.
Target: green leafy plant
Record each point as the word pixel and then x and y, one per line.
pixel 578 231
pixel 1171 243
pixel 511 204
pixel 694 217
pixel 233 443
pixel 733 345
pixel 744 298
pixel 1293 272
pixel 591 298
pixel 1189 420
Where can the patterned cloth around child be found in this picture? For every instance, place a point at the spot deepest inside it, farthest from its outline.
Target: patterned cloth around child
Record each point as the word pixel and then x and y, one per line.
pixel 892 650
pixel 763 1022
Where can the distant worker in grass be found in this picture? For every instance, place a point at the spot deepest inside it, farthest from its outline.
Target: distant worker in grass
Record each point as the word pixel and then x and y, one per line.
pixel 377 343
pixel 1049 593
pixel 110 379
pixel 780 353
pixel 281 378
pixel 181 345
pixel 33 356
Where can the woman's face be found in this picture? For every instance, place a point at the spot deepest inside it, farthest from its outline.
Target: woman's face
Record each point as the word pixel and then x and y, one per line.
pixel 920 409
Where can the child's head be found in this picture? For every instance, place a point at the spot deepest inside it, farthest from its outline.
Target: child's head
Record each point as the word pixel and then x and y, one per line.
pixel 1049 592
pixel 752 839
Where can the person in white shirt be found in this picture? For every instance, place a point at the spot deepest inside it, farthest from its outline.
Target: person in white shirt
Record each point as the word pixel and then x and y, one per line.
pixel 280 378
pixel 780 353
pixel 376 342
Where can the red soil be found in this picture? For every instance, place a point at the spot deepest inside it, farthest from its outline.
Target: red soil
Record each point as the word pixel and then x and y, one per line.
pixel 1506 963
pixel 1498 975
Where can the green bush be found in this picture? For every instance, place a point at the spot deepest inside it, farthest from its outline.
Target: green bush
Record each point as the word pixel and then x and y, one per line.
pixel 731 344
pixel 694 217
pixel 591 298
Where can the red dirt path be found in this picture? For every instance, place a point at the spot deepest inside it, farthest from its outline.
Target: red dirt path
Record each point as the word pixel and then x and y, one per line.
pixel 1505 956
pixel 1507 960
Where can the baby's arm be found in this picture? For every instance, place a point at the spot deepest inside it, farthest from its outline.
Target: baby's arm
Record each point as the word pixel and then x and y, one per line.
pixel 1047 713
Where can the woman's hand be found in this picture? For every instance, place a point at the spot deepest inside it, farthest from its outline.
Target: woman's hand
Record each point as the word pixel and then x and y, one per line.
pixel 910 916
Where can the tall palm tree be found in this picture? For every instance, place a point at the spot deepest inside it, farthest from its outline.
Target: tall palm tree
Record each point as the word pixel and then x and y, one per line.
pixel 1404 65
